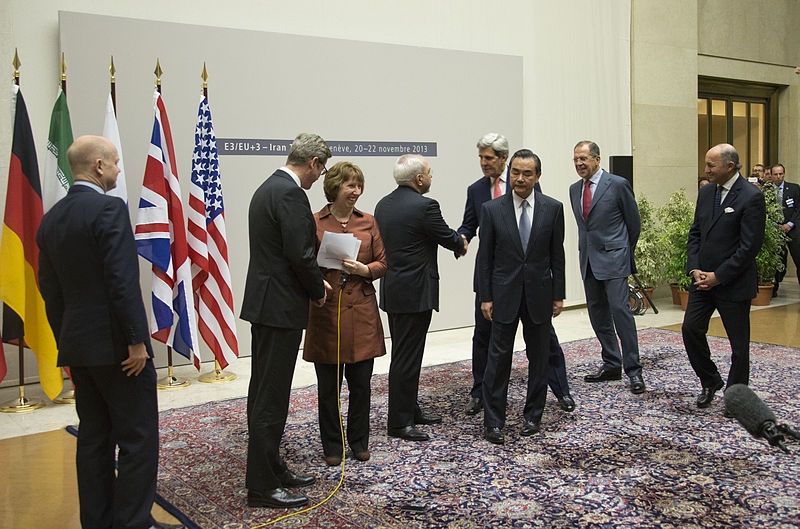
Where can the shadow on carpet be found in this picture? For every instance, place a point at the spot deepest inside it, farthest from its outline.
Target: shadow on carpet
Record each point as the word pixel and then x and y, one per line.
pixel 620 460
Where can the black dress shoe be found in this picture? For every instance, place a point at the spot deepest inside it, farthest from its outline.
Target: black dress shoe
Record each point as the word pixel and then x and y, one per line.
pixel 409 433
pixel 494 435
pixel 566 403
pixel 637 384
pixel 295 479
pixel 603 374
pixel 529 428
pixel 706 396
pixel 474 407
pixel 276 498
pixel 424 418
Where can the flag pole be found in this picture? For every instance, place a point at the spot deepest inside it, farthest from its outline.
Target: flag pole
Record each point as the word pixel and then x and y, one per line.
pixel 69 396
pixel 21 404
pixel 217 375
pixel 112 71
pixel 170 381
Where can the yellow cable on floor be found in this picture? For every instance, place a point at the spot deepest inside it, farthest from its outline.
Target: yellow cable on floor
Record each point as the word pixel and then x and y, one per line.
pixel 341 427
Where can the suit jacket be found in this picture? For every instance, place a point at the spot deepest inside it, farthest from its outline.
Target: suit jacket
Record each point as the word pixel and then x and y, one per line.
pixel 283 274
pixel 608 238
pixel 478 192
pixel 89 279
pixel 412 227
pixel 727 243
pixel 791 208
pixel 505 271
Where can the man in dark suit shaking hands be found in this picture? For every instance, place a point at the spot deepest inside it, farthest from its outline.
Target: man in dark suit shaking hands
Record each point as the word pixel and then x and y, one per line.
pixel 725 237
pixel 608 229
pixel 412 228
pixel 282 278
pixel 521 277
pixel 89 278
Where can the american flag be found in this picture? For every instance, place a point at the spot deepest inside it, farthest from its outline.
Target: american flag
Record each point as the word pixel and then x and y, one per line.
pixel 161 239
pixel 208 247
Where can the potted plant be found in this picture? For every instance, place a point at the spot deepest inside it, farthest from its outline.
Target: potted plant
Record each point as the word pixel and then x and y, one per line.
pixel 768 259
pixel 676 217
pixel 651 250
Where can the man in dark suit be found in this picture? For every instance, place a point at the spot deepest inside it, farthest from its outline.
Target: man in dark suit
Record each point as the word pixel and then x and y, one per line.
pixel 89 278
pixel 282 278
pixel 788 196
pixel 521 277
pixel 725 237
pixel 608 229
pixel 493 153
pixel 412 228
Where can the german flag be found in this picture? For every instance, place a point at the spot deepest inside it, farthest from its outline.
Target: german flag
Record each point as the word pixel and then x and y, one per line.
pixel 19 255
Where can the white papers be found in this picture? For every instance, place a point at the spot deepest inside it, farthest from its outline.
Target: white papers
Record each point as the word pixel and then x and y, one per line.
pixel 335 247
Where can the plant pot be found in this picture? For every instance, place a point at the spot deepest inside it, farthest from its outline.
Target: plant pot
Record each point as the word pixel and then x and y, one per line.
pixel 764 295
pixel 684 298
pixel 676 298
pixel 649 292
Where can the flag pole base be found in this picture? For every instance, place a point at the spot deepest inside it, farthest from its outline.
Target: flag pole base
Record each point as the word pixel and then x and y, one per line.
pixel 22 405
pixel 68 397
pixel 217 376
pixel 172 382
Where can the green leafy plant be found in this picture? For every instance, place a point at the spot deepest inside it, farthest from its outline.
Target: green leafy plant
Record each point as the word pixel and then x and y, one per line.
pixel 768 259
pixel 675 218
pixel 651 250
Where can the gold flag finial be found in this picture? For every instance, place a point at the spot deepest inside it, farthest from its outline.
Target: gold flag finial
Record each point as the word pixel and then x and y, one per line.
pixel 112 70
pixel 205 75
pixel 16 64
pixel 63 68
pixel 158 71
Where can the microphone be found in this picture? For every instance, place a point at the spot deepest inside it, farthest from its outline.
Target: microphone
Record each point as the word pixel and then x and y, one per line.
pixel 754 415
pixel 345 277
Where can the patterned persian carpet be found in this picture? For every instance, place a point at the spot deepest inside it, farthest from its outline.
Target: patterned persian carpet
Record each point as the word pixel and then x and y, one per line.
pixel 619 460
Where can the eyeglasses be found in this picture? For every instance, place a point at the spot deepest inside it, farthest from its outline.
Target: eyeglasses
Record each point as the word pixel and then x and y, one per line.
pixel 324 171
pixel 583 159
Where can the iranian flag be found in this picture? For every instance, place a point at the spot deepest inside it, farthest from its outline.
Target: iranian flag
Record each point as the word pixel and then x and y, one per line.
pixel 57 178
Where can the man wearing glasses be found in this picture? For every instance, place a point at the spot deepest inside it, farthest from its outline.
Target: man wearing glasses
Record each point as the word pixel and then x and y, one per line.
pixel 282 278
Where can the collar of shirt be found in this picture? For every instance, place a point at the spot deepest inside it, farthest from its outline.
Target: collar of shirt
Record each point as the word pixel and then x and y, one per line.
pixel 518 205
pixel 595 179
pixel 291 173
pixel 503 184
pixel 91 185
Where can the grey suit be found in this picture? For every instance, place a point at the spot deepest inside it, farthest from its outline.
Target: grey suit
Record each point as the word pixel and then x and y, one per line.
pixel 606 242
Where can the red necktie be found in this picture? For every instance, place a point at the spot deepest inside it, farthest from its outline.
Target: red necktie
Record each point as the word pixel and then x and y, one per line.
pixel 497 191
pixel 587 199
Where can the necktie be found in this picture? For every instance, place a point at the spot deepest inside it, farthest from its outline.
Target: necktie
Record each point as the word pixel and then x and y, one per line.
pixel 717 200
pixel 779 195
pixel 497 191
pixel 587 199
pixel 524 225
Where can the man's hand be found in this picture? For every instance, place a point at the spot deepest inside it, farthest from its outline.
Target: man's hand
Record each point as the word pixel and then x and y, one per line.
pixel 137 358
pixel 321 301
pixel 786 228
pixel 486 309
pixel 705 280
pixel 558 306
pixel 466 244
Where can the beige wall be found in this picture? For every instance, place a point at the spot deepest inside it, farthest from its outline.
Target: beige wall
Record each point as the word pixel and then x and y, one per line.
pixel 664 96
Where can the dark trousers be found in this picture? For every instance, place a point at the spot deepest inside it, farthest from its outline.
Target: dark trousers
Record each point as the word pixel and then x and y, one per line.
pixel 498 369
pixel 609 308
pixel 358 377
pixel 736 319
pixel 408 343
pixel 792 247
pixel 272 368
pixel 557 379
pixel 116 410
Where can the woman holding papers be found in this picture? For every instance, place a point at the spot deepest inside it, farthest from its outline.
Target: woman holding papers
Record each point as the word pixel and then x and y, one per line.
pixel 360 324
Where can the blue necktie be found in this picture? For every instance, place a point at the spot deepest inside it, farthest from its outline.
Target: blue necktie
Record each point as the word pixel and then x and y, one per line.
pixel 524 226
pixel 717 200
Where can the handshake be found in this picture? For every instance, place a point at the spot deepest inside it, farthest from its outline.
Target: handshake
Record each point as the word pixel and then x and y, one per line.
pixel 464 251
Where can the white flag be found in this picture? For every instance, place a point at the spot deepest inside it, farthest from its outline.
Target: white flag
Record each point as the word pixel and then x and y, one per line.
pixel 111 133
